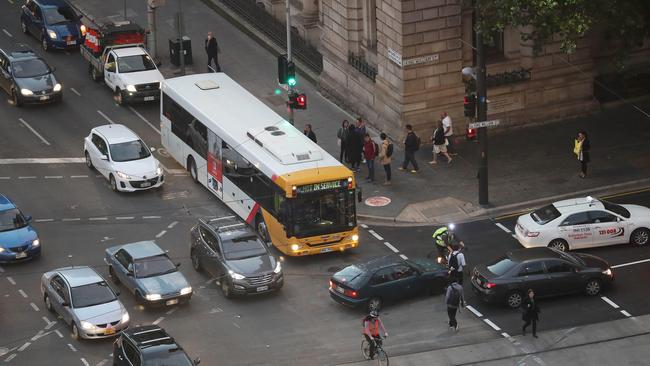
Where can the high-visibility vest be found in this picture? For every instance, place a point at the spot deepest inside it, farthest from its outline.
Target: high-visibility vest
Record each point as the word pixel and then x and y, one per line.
pixel 373 326
pixel 438 235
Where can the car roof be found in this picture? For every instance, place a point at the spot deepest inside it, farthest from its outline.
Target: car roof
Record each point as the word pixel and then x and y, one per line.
pixel 116 133
pixel 522 255
pixel 578 205
pixel 143 249
pixel 20 52
pixel 377 263
pixel 228 227
pixel 6 203
pixel 79 276
pixel 148 335
pixel 129 51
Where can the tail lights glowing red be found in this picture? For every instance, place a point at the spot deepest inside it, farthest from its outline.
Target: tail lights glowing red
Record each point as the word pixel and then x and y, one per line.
pixel 490 285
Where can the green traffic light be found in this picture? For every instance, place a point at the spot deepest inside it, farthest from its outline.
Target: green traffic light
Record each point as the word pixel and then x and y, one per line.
pixel 291 81
pixel 278 91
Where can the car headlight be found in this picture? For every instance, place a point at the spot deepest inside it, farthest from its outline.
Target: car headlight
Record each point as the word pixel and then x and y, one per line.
pixel 125 318
pixel 153 297
pixel 235 276
pixel 36 242
pixel 608 272
pixel 355 237
pixel 159 171
pixel 83 30
pixel 57 87
pixel 51 33
pixel 295 247
pixel 131 88
pixel 278 268
pixel 122 175
pixel 2 249
pixel 26 92
pixel 86 325
pixel 186 290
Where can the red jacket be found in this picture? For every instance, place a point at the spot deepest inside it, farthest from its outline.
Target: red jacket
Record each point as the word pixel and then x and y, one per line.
pixel 369 150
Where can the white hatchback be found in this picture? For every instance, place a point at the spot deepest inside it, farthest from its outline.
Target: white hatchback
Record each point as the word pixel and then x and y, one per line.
pixel 123 158
pixel 584 223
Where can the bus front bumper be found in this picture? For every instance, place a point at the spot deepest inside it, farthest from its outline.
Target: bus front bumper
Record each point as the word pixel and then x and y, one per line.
pixel 302 249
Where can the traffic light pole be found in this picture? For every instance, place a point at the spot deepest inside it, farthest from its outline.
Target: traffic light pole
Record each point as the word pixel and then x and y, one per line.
pixel 288 11
pixel 481 106
pixel 180 36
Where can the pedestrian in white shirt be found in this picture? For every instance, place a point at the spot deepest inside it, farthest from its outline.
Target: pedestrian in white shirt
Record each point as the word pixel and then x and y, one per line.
pixel 456 263
pixel 449 132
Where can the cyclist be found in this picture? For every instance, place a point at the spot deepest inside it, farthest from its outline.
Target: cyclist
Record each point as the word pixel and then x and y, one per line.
pixel 372 326
pixel 443 239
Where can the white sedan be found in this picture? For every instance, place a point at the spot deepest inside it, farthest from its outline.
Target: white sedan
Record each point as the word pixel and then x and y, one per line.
pixel 123 158
pixel 584 223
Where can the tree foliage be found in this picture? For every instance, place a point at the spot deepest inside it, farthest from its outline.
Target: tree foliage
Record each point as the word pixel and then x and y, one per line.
pixel 627 21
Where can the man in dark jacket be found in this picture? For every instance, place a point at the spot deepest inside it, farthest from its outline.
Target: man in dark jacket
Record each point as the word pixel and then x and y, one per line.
pixel 309 132
pixel 354 148
pixel 410 147
pixel 530 312
pixel 212 49
pixel 455 299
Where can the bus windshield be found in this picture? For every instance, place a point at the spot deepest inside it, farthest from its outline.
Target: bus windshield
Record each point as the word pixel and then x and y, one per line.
pixel 322 213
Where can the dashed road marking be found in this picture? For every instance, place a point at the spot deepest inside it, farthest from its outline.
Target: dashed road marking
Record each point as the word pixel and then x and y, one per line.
pixel 630 263
pixel 171 226
pixel 34 306
pixel 42 161
pixel 22 293
pixel 105 117
pixel 503 227
pixel 626 313
pixel 73 219
pixel 24 346
pixel 72 348
pixel 377 236
pixel 34 131
pixel 75 91
pixel 28 177
pixel 610 302
pixel 404 257
pixel 215 310
pixel 11 281
pixel 494 326
pixel 160 234
pixel 98 218
pixel 83 360
pixel 157 321
pixel 5 178
pixel 171 311
pixel 43 220
pixel 237 325
pixel 11 357
pixel 505 335
pixel 40 334
pixel 391 247
pixel 58 333
pixel 144 119
pixel 124 218
pixel 7 33
pixel 474 311
pixel 78 176
pixel 102 362
pixel 150 217
pixel 46 320
pixel 53 177
pixel 363 226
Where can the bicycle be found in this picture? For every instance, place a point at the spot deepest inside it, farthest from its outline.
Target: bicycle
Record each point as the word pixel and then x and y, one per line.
pixel 380 355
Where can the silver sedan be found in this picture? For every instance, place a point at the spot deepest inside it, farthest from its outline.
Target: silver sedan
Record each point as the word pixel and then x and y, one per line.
pixel 85 302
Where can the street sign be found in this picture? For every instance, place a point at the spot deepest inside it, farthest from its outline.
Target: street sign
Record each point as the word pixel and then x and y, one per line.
pixel 494 122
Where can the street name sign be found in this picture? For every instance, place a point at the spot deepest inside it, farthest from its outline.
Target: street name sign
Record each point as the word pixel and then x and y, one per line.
pixel 494 122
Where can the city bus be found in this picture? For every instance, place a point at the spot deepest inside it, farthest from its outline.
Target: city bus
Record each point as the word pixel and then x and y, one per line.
pixel 296 195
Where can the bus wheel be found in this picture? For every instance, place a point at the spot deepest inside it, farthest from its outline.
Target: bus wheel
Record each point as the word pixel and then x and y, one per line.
pixel 191 166
pixel 262 230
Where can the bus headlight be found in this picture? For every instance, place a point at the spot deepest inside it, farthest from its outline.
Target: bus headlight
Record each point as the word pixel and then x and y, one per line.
pixel 295 247
pixel 355 238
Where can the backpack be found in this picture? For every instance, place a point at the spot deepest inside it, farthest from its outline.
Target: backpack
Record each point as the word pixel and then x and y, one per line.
pixel 454 297
pixel 453 261
pixel 389 150
pixel 418 142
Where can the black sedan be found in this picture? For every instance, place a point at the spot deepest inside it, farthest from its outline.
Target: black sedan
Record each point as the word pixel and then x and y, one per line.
pixel 27 78
pixel 386 279
pixel 547 271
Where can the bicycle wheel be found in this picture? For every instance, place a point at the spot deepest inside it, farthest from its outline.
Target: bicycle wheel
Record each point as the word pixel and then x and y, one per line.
pixel 365 349
pixel 382 357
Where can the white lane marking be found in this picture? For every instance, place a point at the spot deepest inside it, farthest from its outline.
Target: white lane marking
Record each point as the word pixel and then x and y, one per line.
pixel 160 234
pixel 34 306
pixel 4 178
pixel 105 117
pixel 75 91
pixel 11 281
pixel 170 226
pixel 53 177
pixel 610 302
pixel 40 334
pixel 391 247
pixel 494 326
pixel 144 119
pixel 171 311
pixel 74 219
pixel 50 325
pixel 72 347
pixel 505 335
pixel 363 226
pixel 47 321
pixel 237 325
pixel 377 236
pixel 34 131
pixel 58 333
pixel 150 217
pixel 124 218
pixel 27 177
pixel 11 357
pixel 403 256
pixel 503 228
pixel 98 218
pixel 626 313
pixel 24 346
pixel 43 220
pixel 215 310
pixel 514 236
pixel 630 263
pixel 78 176
pixel 22 293
pixel 476 312
pixel 83 360
pixel 7 33
pixel 42 161
pixel 102 362
pixel 157 321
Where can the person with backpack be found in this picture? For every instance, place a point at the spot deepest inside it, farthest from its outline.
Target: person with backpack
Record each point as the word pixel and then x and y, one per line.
pixel 370 150
pixel 456 263
pixel 411 145
pixel 439 144
pixel 372 326
pixel 454 299
pixel 385 152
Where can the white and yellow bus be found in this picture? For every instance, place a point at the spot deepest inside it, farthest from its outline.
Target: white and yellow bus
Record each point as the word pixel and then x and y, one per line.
pixel 296 195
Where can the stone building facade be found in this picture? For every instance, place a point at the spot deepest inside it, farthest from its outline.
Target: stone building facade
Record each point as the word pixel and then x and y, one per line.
pixel 399 61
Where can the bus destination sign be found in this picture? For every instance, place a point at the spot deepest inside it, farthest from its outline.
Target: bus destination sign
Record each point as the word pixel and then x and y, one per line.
pixel 322 186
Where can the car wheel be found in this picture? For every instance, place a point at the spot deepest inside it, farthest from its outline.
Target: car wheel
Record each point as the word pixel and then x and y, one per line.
pixel 89 162
pixel 15 98
pixel 44 45
pixel 640 237
pixel 514 299
pixel 111 274
pixel 374 304
pixel 113 183
pixel 75 332
pixel 196 261
pixel 191 166
pixel 262 230
pixel 593 287
pixel 118 96
pixel 559 244
pixel 23 27
pixel 48 303
pixel 225 288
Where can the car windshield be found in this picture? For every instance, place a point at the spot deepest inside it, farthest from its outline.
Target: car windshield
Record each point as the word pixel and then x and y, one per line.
pixel 91 295
pixel 501 266
pixel 323 213
pixel 350 274
pixel 617 209
pixel 12 219
pixel 545 214
pixel 128 151
pixel 154 266
pixel 57 15
pixel 170 357
pixel 135 63
pixel 243 247
pixel 30 68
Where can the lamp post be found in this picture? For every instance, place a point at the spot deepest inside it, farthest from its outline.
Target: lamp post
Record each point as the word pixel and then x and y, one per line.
pixel 290 91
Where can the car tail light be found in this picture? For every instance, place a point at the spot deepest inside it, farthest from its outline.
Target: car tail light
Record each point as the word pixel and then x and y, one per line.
pixel 532 234
pixel 350 293
pixel 489 285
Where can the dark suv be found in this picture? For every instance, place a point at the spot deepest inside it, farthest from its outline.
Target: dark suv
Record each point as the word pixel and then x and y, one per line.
pixel 229 250
pixel 149 345
pixel 27 78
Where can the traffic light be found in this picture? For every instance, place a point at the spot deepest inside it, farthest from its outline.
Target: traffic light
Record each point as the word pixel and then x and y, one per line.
pixel 301 102
pixel 286 71
pixel 469 103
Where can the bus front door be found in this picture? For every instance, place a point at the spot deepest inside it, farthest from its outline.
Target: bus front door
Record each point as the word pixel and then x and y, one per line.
pixel 215 169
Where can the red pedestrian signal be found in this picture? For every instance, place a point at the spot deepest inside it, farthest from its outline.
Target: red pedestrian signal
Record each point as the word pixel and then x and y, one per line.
pixel 469 104
pixel 301 101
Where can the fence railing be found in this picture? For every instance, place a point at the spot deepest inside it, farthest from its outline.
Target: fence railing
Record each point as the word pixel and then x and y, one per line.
pixel 360 63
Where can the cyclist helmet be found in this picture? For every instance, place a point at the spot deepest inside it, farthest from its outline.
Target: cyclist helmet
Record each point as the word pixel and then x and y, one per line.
pixel 374 314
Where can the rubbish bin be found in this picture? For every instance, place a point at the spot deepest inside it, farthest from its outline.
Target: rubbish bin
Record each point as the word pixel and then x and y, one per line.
pixel 175 50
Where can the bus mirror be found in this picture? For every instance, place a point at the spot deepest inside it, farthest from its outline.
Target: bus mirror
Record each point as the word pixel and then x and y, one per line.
pixel 359 196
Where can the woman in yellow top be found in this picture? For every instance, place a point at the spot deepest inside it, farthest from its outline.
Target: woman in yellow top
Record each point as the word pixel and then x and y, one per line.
pixel 581 148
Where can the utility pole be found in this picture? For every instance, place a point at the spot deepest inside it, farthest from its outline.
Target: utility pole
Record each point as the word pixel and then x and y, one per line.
pixel 152 45
pixel 291 89
pixel 180 36
pixel 124 9
pixel 481 106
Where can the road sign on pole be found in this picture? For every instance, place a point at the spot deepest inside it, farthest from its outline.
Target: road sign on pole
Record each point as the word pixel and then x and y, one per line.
pixel 494 122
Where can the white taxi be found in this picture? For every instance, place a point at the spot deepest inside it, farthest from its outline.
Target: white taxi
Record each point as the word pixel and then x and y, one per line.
pixel 584 223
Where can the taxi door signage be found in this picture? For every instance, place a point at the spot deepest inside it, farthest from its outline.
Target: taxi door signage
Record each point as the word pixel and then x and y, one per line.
pixel 580 232
pixel 612 232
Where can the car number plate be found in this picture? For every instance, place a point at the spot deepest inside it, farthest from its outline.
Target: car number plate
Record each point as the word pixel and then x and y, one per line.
pixel 145 184
pixel 326 250
pixel 146 99
pixel 340 289
pixel 262 288
pixel 44 97
pixel 109 331
pixel 21 255
pixel 171 302
pixel 70 43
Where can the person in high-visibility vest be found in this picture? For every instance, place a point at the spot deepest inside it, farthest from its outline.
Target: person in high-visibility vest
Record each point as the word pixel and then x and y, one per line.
pixel 372 326
pixel 443 238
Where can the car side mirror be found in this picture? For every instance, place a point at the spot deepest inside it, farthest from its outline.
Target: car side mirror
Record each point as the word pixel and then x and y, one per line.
pixel 104 157
pixel 618 219
pixel 152 149
pixel 197 360
pixel 28 218
pixel 178 264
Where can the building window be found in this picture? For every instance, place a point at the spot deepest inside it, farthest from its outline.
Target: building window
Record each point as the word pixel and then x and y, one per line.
pixel 494 50
pixel 370 24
